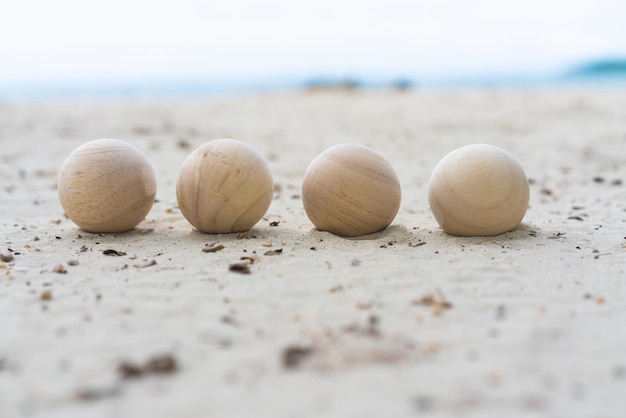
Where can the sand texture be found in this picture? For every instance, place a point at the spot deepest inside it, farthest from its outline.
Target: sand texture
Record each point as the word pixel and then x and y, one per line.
pixel 405 322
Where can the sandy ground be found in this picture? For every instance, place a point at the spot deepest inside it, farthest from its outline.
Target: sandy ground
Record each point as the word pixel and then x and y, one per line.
pixel 405 322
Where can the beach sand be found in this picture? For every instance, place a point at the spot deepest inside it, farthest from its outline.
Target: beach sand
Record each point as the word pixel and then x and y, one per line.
pixel 405 322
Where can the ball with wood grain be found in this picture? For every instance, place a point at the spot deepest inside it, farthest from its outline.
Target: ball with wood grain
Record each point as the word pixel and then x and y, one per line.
pixel 478 190
pixel 106 185
pixel 224 186
pixel 351 190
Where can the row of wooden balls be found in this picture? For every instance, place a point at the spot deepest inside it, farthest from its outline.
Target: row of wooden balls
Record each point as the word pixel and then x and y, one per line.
pixel 225 186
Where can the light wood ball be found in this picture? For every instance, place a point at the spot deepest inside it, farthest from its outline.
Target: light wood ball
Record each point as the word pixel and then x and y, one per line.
pixel 106 185
pixel 224 186
pixel 351 190
pixel 478 190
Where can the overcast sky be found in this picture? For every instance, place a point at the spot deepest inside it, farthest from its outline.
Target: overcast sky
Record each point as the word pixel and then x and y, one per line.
pixel 122 39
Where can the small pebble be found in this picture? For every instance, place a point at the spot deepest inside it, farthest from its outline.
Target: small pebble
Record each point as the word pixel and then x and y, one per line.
pixel 59 269
pixel 212 248
pixel 6 256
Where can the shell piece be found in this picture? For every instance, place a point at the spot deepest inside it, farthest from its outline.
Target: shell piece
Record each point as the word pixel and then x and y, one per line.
pixel 351 190
pixel 106 185
pixel 478 190
pixel 224 186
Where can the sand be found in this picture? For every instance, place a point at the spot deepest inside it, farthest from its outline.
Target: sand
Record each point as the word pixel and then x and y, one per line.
pixel 405 322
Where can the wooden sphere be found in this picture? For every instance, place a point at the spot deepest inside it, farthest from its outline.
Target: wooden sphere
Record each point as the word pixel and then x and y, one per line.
pixel 106 185
pixel 224 186
pixel 351 190
pixel 478 190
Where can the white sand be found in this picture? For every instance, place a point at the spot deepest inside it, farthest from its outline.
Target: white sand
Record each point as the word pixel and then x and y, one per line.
pixel 538 322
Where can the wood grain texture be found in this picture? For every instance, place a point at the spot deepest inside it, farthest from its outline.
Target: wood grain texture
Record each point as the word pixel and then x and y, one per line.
pixel 351 190
pixel 478 190
pixel 224 186
pixel 106 185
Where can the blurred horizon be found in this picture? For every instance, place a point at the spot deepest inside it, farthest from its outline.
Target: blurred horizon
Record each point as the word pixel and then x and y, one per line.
pixel 603 73
pixel 241 44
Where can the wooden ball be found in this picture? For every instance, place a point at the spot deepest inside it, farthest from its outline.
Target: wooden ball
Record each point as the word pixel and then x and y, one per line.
pixel 224 186
pixel 351 190
pixel 106 185
pixel 478 190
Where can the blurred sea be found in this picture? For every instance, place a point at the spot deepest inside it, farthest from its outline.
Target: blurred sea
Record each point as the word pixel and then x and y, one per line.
pixel 598 74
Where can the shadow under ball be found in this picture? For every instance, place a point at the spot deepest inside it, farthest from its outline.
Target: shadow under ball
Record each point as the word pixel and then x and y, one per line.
pixel 351 190
pixel 106 186
pixel 224 186
pixel 478 190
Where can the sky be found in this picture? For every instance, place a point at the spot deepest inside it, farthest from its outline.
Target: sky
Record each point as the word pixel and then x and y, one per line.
pixel 45 40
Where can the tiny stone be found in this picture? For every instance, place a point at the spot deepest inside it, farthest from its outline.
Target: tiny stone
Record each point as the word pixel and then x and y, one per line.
pixel 278 251
pixel 212 248
pixel 97 394
pixel 242 268
pixel 113 253
pixel 164 364
pixel 59 269
pixel 6 256
pixel 293 356
pixel 146 263
pixel 129 371
pixel 183 144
